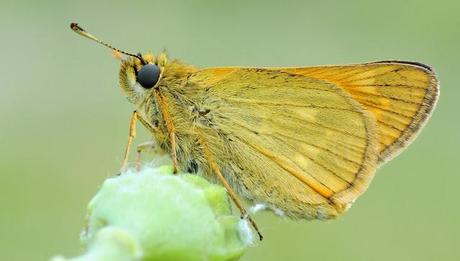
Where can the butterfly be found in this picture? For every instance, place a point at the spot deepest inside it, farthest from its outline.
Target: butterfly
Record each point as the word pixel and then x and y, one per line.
pixel 305 141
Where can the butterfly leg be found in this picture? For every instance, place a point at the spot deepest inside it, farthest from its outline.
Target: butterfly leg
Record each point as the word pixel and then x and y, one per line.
pixel 215 168
pixel 161 100
pixel 143 147
pixel 132 134
pixel 235 198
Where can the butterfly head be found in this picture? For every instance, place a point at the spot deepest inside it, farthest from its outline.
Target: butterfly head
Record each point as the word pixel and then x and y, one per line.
pixel 140 74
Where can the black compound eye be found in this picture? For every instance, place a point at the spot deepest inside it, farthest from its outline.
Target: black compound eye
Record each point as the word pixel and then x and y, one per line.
pixel 148 75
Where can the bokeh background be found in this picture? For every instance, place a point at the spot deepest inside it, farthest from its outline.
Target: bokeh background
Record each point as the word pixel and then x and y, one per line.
pixel 64 121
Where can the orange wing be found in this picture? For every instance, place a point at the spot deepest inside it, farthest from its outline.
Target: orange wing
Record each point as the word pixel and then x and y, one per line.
pixel 400 95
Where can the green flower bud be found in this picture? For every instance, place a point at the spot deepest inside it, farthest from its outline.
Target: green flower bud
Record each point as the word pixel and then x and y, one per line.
pixel 156 215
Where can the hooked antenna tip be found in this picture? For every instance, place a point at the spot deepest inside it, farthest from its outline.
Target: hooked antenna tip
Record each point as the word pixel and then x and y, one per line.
pixel 75 26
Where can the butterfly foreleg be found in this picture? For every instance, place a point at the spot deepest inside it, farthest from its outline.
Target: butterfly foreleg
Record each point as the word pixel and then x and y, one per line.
pixel 132 134
pixel 163 105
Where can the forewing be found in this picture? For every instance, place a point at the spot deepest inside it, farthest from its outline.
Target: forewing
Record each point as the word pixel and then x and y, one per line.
pixel 400 95
pixel 293 142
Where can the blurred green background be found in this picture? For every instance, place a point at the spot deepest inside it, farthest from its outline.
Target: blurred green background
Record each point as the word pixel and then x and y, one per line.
pixel 64 121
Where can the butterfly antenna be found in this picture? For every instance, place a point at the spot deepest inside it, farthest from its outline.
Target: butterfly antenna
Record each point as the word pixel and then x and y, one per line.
pixel 76 28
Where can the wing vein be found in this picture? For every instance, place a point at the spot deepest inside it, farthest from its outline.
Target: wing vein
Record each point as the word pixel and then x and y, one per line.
pixel 252 101
pixel 386 96
pixel 386 85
